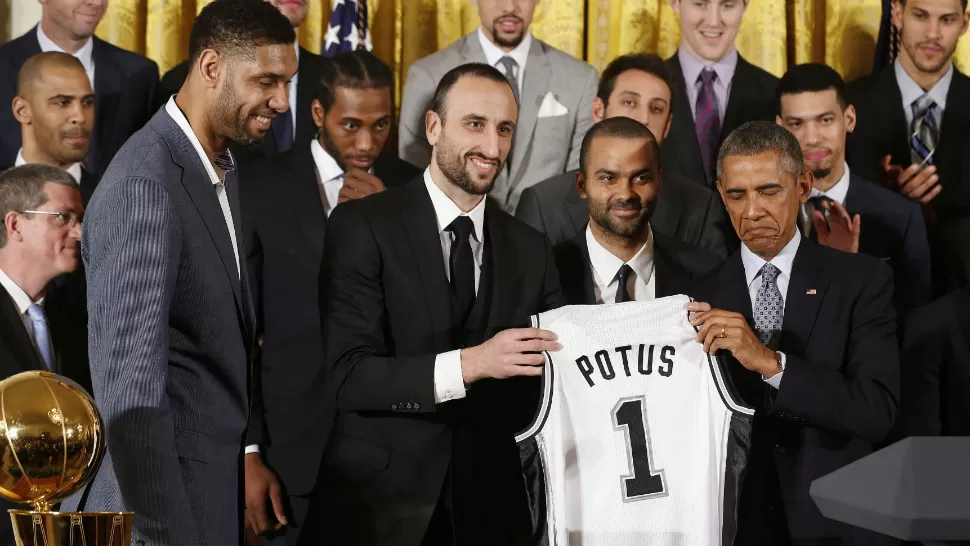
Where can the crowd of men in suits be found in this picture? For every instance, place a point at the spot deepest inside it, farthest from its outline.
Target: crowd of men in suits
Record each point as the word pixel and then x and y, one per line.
pixel 294 331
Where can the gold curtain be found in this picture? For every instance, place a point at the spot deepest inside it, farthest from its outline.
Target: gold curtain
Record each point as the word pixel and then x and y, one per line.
pixel 774 33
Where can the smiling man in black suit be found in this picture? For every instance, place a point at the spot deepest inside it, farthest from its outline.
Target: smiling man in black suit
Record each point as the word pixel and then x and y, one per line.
pixel 846 211
pixel 716 89
pixel 124 82
pixel 286 202
pixel 809 335
pixel 619 256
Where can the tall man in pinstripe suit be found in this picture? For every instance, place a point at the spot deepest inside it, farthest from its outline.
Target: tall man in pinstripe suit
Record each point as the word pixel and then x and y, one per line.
pixel 170 319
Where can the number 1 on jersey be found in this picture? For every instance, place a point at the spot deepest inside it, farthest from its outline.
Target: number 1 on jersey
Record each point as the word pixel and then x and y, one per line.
pixel 642 482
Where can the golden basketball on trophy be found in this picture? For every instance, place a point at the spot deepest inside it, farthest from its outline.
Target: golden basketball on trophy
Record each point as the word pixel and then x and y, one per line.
pixel 51 443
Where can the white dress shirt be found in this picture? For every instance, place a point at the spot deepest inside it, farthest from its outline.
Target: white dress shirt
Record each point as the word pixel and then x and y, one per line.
pixel 911 91
pixel 837 192
pixel 176 114
pixel 520 54
pixel 23 301
pixel 752 273
pixel 74 170
pixel 605 267
pixel 329 175
pixel 448 381
pixel 85 54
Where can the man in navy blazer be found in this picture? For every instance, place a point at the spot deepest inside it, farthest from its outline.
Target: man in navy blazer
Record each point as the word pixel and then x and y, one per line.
pixel 124 82
pixel 851 213
pixel 809 335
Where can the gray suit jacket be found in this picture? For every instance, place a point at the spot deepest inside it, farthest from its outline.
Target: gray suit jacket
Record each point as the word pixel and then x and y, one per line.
pixel 542 147
pixel 685 211
pixel 170 341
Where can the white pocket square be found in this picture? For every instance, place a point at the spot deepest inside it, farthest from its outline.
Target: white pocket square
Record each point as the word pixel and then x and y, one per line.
pixel 550 107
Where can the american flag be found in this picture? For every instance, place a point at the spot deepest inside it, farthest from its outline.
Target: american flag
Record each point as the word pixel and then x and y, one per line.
pixel 348 28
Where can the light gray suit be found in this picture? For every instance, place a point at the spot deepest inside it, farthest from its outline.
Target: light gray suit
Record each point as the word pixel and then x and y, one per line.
pixel 543 147
pixel 170 342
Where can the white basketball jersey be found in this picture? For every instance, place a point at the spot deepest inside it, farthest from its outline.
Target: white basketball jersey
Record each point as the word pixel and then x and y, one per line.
pixel 639 439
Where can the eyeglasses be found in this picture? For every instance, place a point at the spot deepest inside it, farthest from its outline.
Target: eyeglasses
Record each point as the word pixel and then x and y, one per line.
pixel 61 219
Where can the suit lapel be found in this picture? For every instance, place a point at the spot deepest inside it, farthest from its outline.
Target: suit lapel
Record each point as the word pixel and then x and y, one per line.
pixel 534 88
pixel 304 196
pixel 108 88
pixel 306 89
pixel 663 271
pixel 235 207
pixel 89 181
pixel 733 294
pixel 200 190
pixel 890 101
pixel 15 335
pixel 806 289
pixel 421 226
pixel 576 208
pixel 505 268
pixel 685 136
pixel 742 92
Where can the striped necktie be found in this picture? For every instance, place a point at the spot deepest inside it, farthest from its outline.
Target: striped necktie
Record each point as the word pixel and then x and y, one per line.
pixel 707 122
pixel 924 131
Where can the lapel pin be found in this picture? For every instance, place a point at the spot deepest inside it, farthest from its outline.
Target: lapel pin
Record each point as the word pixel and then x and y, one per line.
pixel 810 292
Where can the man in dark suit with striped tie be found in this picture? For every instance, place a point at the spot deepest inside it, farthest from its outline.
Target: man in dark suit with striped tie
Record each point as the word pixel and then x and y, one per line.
pixel 845 210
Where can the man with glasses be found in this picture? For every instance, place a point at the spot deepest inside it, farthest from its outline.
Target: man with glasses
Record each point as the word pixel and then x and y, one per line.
pixel 41 210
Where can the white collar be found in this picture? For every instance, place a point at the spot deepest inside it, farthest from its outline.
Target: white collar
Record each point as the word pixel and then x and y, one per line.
pixel 837 192
pixel 176 114
pixel 74 170
pixel 783 261
pixel 692 66
pixel 493 53
pixel 911 91
pixel 446 210
pixel 20 298
pixel 327 166
pixel 607 265
pixel 85 54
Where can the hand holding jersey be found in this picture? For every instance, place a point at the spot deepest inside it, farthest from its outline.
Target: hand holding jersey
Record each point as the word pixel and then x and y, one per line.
pixel 729 331
pixel 510 353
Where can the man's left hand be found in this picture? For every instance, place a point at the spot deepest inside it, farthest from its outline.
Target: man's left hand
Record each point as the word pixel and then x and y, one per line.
pixel 724 330
pixel 359 183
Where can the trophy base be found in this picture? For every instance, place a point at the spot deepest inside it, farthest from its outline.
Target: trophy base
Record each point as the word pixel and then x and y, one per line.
pixel 71 528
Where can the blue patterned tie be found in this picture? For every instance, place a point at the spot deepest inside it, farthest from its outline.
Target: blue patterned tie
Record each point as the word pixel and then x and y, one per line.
pixel 38 320
pixel 924 131
pixel 769 312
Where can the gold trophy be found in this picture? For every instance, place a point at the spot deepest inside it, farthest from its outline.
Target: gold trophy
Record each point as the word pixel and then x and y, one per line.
pixel 51 443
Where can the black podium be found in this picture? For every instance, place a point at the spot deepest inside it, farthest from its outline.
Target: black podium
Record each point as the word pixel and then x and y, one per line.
pixel 915 489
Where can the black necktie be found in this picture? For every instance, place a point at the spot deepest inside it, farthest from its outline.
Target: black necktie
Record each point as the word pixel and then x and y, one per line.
pixel 283 131
pixel 622 294
pixel 815 203
pixel 462 265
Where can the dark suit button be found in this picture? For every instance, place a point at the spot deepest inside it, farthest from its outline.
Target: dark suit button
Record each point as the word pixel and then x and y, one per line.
pixel 780 448
pixel 393 407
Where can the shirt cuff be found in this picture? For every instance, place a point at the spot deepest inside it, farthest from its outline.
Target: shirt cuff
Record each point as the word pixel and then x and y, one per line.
pixel 449 384
pixel 252 449
pixel 775 380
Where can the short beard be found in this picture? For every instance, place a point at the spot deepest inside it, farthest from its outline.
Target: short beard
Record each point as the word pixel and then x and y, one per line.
pixel 511 43
pixel 452 165
pixel 928 69
pixel 600 213
pixel 229 114
pixel 821 174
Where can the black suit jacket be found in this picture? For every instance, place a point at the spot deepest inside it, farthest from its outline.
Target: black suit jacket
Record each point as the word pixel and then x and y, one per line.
pixel 752 98
pixel 389 312
pixel 840 386
pixel 936 369
pixel 18 354
pixel 124 90
pixel 684 211
pixel 893 230
pixel 307 84
pixel 675 263
pixel 881 130
pixel 284 227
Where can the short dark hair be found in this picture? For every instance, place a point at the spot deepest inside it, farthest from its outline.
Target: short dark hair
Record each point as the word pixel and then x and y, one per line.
pixel 650 63
pixel 963 3
pixel 811 78
pixel 473 70
pixel 756 137
pixel 358 69
pixel 22 188
pixel 238 26
pixel 616 127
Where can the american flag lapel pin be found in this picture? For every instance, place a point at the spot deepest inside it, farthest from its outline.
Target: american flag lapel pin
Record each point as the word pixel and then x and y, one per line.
pixel 810 292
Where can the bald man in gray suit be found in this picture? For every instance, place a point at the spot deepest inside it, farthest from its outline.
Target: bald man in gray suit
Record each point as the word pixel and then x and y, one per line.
pixel 555 93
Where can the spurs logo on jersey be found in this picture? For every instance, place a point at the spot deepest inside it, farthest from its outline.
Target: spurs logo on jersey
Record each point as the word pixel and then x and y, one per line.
pixel 639 439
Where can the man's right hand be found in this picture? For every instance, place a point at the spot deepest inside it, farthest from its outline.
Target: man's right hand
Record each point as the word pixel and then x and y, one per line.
pixel 921 186
pixel 261 483
pixel 511 353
